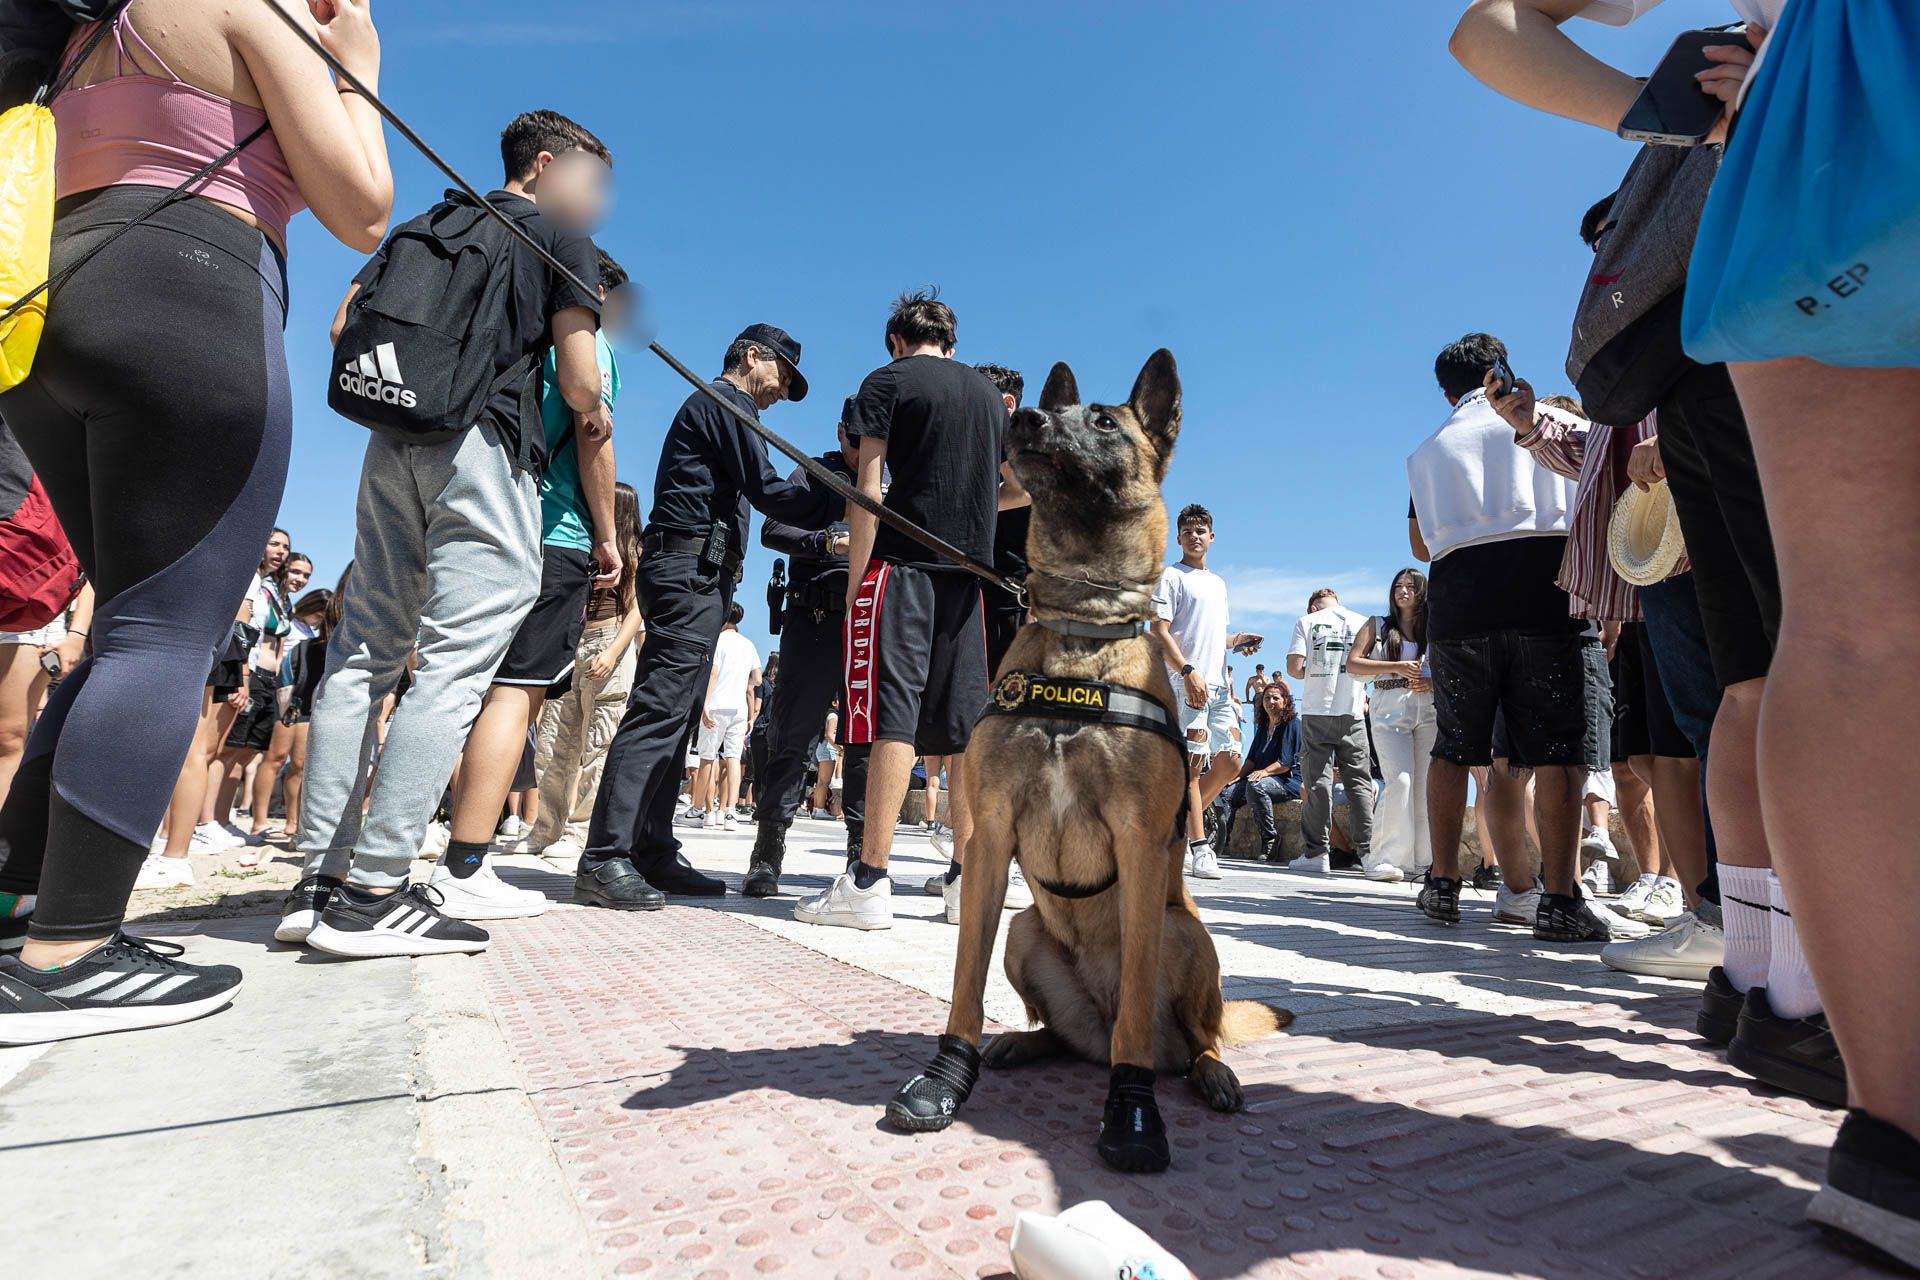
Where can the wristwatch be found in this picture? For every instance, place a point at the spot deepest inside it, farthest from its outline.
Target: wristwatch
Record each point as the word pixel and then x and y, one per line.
pixel 1187 670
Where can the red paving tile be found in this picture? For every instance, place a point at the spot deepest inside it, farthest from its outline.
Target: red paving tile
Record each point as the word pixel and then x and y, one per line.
pixel 714 1094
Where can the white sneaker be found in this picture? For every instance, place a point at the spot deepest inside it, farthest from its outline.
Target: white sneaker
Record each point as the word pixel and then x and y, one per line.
pixel 1597 877
pixel 943 845
pixel 730 820
pixel 821 815
pixel 1516 908
pixel 566 849
pixel 1019 896
pixel 1202 863
pixel 512 828
pixel 1633 897
pixel 1598 844
pixel 159 872
pixel 950 897
pixel 1386 873
pixel 1322 865
pixel 435 842
pixel 1663 903
pixel 849 907
pixel 217 835
pixel 1686 949
pixel 692 817
pixel 483 896
pixel 238 832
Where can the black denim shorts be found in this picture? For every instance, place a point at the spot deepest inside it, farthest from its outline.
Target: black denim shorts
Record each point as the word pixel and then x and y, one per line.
pixel 1536 683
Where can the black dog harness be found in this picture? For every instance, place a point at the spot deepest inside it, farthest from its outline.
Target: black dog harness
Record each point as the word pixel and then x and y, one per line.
pixel 1026 693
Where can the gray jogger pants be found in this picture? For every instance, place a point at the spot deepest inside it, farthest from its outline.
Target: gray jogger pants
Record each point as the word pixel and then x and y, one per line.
pixel 1327 743
pixel 446 556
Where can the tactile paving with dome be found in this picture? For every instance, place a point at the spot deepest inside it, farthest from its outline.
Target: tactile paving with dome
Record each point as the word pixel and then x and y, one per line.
pixel 714 1095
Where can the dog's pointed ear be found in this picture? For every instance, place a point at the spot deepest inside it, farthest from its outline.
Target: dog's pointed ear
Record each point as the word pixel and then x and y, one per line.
pixel 1061 391
pixel 1156 400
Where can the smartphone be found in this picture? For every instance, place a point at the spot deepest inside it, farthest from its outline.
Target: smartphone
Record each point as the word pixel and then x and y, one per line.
pixel 1672 110
pixel 1504 372
pixel 50 663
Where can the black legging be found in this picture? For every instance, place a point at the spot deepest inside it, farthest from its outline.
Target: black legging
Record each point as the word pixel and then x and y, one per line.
pixel 158 418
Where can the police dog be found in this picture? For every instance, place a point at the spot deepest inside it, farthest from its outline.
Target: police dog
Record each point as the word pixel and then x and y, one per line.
pixel 1111 960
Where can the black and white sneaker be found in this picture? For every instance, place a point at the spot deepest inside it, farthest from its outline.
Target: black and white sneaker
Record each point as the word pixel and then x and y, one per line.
pixel 302 908
pixel 406 922
pixel 1872 1194
pixel 1566 918
pixel 122 984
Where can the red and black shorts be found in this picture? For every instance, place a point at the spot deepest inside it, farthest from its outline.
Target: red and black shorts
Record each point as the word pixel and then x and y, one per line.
pixel 916 658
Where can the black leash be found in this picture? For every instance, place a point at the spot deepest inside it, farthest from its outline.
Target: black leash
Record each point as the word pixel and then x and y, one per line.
pixel 821 475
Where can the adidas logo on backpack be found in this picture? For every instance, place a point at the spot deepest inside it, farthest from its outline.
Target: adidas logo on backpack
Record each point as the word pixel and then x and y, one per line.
pixel 376 375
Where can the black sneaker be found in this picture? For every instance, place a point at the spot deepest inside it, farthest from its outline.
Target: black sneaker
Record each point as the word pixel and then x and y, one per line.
pixel 1872 1194
pixel 1439 899
pixel 302 908
pixel 1795 1055
pixel 13 934
pixel 1564 918
pixel 1720 1005
pixel 120 985
pixel 1486 876
pixel 406 922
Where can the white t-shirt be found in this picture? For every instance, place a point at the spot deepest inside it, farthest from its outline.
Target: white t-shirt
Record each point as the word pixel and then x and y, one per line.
pixel 734 659
pixel 1618 13
pixel 1194 604
pixel 1324 638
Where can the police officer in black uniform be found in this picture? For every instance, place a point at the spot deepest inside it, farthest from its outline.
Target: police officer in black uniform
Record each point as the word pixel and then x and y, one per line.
pixel 812 672
pixel 711 470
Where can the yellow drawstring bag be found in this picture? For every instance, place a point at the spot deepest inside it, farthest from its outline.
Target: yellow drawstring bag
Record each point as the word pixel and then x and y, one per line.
pixel 26 234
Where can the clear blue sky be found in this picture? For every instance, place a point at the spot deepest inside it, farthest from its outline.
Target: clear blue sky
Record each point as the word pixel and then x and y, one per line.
pixel 1303 201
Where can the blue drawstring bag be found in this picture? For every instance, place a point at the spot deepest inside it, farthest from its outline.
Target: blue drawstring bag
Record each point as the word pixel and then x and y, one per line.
pixel 1810 243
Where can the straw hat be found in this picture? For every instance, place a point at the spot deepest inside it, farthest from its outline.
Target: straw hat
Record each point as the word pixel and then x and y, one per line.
pixel 1644 540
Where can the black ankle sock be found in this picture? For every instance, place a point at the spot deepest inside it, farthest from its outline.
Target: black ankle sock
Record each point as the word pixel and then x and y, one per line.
pixel 463 857
pixel 953 872
pixel 866 876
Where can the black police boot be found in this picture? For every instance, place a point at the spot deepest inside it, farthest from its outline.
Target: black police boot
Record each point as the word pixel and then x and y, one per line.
pixel 763 869
pixel 1133 1137
pixel 618 884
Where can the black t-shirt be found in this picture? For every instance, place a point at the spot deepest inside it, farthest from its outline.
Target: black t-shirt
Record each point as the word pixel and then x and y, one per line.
pixel 536 295
pixel 16 474
pixel 712 468
pixel 945 428
pixel 1507 585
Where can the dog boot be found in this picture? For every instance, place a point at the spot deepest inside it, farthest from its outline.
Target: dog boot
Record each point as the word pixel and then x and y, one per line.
pixel 929 1100
pixel 1133 1138
pixel 763 868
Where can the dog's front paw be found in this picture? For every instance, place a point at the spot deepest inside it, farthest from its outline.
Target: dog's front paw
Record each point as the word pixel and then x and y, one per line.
pixel 929 1101
pixel 1133 1137
pixel 1216 1084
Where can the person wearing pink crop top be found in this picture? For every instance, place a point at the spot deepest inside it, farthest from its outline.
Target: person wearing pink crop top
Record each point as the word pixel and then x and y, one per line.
pixel 158 418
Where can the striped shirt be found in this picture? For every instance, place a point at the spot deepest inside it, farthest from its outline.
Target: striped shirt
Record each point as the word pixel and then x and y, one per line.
pixel 1584 451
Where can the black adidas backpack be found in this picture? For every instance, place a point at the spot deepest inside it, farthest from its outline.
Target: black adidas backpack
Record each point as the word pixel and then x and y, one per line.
pixel 415 356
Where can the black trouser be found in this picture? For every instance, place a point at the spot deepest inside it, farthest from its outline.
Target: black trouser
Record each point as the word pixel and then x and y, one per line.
pixel 684 606
pixel 158 418
pixel 812 672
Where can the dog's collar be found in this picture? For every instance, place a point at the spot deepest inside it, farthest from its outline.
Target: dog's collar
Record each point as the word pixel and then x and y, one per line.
pixel 1077 890
pixel 1031 694
pixel 1094 630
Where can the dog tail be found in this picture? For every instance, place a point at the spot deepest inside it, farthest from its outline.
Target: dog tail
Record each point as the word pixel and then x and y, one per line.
pixel 1244 1020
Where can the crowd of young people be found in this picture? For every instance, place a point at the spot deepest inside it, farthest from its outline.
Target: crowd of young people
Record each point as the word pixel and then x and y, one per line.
pixel 508 603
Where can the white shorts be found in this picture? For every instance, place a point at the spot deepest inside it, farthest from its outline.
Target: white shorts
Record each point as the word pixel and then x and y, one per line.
pixel 51 634
pixel 1219 718
pixel 727 738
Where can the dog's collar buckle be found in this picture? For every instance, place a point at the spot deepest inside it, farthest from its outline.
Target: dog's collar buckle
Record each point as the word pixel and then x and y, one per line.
pixel 1094 630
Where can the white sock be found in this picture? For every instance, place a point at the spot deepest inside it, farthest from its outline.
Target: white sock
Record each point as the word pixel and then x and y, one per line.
pixel 1790 988
pixel 1747 910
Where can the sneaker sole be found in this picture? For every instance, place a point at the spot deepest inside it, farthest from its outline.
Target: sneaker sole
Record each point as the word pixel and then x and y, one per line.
pixel 840 922
pixel 493 911
pixel 1866 1227
pixel 74 1024
pixel 1786 1075
pixel 1566 935
pixel 373 944
pixel 1683 970
pixel 295 926
pixel 1658 922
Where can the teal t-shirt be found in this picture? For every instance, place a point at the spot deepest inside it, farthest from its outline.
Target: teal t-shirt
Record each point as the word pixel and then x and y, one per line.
pixel 564 521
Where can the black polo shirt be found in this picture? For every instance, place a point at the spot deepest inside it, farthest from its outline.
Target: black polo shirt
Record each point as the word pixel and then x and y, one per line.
pixel 712 469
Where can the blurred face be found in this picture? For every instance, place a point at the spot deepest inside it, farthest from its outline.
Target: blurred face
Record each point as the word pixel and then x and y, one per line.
pixel 299 572
pixel 1194 539
pixel 576 189
pixel 276 553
